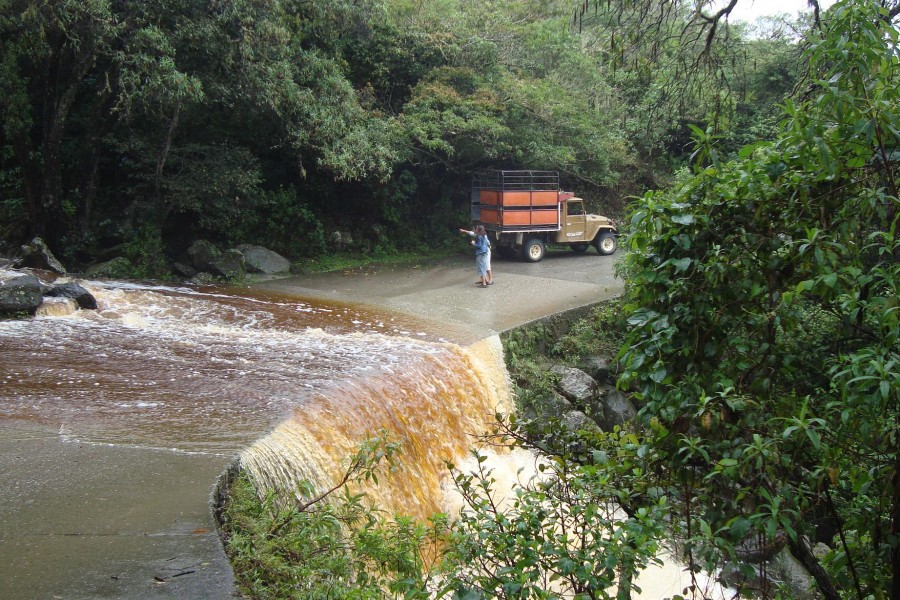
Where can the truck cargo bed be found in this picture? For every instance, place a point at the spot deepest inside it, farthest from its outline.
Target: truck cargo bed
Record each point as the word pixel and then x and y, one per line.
pixel 517 200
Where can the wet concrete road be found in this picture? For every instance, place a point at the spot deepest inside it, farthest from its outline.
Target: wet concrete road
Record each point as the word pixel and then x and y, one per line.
pixel 82 521
pixel 444 291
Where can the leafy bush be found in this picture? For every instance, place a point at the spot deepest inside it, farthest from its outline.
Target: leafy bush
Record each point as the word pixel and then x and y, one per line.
pixel 764 314
pixel 327 545
pixel 282 221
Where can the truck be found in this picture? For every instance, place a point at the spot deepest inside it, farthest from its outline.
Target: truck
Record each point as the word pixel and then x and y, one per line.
pixel 524 211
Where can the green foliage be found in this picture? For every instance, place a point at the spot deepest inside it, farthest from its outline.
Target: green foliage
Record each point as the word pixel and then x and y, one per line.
pixel 145 251
pixel 286 223
pixel 764 322
pixel 327 545
pixel 599 334
pixel 571 532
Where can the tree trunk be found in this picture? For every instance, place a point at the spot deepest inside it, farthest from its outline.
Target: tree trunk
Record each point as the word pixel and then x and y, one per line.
pixel 164 151
pixel 802 553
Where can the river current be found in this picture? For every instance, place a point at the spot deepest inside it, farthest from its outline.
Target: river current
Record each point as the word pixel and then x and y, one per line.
pixel 291 386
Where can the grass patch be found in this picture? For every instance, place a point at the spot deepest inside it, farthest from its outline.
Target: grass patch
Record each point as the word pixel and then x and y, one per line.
pixel 353 260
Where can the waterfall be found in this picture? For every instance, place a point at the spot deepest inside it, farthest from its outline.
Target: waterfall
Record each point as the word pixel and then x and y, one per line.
pixel 436 405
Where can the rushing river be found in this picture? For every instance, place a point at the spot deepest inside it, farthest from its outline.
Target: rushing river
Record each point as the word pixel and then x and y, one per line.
pixel 292 386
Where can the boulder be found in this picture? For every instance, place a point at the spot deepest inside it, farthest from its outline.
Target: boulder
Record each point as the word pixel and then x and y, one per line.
pixel 203 278
pixel 263 260
pixel 575 384
pixel 19 293
pixel 792 574
pixel 184 270
pixel 547 407
pixel 617 410
pixel 72 290
pixel 229 264
pixel 37 255
pixel 202 254
pixel 575 420
pixel 596 366
pixel 119 267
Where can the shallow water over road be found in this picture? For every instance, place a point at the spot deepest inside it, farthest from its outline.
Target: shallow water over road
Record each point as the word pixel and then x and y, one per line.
pixel 195 370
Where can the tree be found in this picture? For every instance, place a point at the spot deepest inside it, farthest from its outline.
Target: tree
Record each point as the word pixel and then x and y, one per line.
pixel 764 302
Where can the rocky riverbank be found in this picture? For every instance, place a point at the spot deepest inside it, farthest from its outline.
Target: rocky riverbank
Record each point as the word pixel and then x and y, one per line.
pixel 34 282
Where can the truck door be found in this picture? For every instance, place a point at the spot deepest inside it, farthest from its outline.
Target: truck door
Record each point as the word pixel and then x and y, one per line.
pixel 575 221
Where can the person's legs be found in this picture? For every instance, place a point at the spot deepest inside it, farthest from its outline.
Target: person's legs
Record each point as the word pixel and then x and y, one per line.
pixel 481 267
pixel 489 279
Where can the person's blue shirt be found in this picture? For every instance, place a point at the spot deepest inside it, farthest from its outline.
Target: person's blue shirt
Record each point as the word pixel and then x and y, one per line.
pixel 482 244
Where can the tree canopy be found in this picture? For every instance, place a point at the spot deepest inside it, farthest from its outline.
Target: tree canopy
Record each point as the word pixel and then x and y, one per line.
pixel 271 122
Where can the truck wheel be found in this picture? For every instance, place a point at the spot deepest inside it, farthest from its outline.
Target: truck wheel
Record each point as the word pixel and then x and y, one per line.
pixel 606 243
pixel 579 248
pixel 533 250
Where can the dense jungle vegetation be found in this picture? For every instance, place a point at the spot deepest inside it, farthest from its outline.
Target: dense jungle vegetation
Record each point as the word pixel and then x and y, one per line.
pixel 136 127
pixel 759 329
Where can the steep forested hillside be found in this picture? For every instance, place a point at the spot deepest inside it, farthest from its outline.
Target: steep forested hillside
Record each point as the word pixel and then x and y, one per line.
pixel 137 127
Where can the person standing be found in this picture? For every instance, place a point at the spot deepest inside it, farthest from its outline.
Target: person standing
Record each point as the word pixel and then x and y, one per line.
pixel 482 255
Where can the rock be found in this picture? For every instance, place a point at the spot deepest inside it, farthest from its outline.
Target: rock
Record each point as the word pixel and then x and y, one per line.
pixel 791 573
pixel 202 254
pixel 820 550
pixel 117 268
pixel 751 550
pixel 596 366
pixel 342 239
pixel 37 255
pixel 782 572
pixel 72 290
pixel 575 384
pixel 184 270
pixel 19 293
pixel 547 407
pixel 575 420
pixel 617 410
pixel 263 260
pixel 229 265
pixel 203 278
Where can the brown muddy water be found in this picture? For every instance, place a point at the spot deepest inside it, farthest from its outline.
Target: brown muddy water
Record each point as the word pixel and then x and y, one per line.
pixel 291 386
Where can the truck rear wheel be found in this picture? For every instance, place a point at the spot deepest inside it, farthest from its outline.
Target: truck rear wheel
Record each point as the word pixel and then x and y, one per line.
pixel 606 243
pixel 533 250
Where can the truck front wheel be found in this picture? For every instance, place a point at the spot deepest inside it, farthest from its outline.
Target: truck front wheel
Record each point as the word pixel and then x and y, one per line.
pixel 606 243
pixel 533 250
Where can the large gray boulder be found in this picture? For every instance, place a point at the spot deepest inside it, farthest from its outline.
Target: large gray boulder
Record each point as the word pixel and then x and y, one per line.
pixel 229 264
pixel 36 255
pixel 596 366
pixel 202 254
pixel 552 406
pixel 19 293
pixel 575 420
pixel 263 260
pixel 575 384
pixel 617 410
pixel 116 268
pixel 76 292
